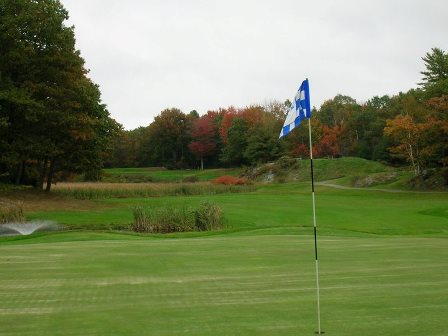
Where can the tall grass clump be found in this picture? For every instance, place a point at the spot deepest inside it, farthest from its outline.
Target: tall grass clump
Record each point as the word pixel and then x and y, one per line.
pixel 206 217
pixel 128 190
pixel 11 212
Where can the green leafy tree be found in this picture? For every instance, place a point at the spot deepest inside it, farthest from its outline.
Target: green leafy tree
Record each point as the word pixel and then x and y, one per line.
pixel 435 76
pixel 233 152
pixel 262 146
pixel 54 117
pixel 436 63
pixel 167 139
pixel 367 126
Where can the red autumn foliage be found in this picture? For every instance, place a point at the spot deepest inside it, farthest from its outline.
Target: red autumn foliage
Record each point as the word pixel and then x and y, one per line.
pixel 301 150
pixel 230 180
pixel 200 149
pixel 203 133
pixel 227 118
pixel 329 142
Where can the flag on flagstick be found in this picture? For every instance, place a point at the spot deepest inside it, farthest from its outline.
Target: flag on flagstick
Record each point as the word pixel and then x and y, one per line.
pixel 299 110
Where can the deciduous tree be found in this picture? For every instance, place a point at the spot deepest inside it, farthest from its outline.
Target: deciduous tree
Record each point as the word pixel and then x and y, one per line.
pixel 408 136
pixel 51 113
pixel 233 151
pixel 203 134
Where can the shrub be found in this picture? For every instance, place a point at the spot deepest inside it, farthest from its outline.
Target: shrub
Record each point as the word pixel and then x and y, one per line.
pixel 11 212
pixel 286 162
pixel 177 219
pixel 230 180
pixel 7 188
pixel 163 220
pixel 208 217
pixel 93 175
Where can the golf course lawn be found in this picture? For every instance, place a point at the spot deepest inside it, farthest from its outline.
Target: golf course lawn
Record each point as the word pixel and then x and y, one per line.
pixel 172 175
pixel 283 208
pixel 383 268
pixel 113 284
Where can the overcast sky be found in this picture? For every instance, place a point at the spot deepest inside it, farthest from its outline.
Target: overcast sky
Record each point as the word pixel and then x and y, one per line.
pixel 148 55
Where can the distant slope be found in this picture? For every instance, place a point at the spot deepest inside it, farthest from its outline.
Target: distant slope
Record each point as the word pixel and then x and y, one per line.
pixel 350 171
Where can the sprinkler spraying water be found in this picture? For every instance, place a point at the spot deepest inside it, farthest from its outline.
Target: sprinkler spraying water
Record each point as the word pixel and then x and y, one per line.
pixel 28 228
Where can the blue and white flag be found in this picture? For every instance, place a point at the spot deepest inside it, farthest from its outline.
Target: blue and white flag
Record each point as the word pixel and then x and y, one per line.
pixel 300 109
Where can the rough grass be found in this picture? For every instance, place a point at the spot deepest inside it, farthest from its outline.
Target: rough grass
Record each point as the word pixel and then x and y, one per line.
pixel 11 212
pixel 92 190
pixel 206 217
pixel 163 220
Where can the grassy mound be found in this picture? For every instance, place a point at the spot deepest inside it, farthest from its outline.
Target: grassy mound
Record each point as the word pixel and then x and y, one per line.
pixel 288 169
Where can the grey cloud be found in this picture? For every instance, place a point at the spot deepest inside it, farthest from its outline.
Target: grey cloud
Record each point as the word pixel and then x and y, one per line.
pixel 150 55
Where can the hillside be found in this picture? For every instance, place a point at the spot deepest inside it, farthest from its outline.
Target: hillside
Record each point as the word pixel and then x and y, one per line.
pixel 347 171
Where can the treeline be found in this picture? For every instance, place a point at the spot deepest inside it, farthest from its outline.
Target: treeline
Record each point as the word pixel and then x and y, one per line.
pixel 227 137
pixel 52 121
pixel 409 128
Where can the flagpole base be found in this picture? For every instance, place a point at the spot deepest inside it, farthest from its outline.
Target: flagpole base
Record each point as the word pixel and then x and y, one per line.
pixel 319 333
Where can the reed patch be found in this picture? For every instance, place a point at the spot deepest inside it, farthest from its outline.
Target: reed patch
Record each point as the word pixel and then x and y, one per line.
pixel 207 217
pixel 87 191
pixel 11 212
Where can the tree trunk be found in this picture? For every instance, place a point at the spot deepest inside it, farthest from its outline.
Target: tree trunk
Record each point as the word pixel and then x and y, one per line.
pixel 43 173
pixel 20 172
pixel 50 175
pixel 202 164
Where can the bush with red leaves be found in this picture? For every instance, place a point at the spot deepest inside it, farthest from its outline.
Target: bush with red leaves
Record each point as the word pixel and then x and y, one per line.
pixel 230 180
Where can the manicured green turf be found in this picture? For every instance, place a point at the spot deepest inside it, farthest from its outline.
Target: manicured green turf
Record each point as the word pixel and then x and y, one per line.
pixel 283 207
pixel 110 284
pixel 383 267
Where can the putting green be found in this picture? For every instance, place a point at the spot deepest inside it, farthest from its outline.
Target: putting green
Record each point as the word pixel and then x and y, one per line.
pixel 111 284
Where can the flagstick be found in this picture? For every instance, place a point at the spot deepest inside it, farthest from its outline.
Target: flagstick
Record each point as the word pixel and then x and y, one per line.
pixel 315 230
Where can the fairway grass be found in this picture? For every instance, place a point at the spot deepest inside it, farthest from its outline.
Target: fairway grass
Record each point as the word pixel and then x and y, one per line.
pixel 111 284
pixel 165 175
pixel 283 208
pixel 383 267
